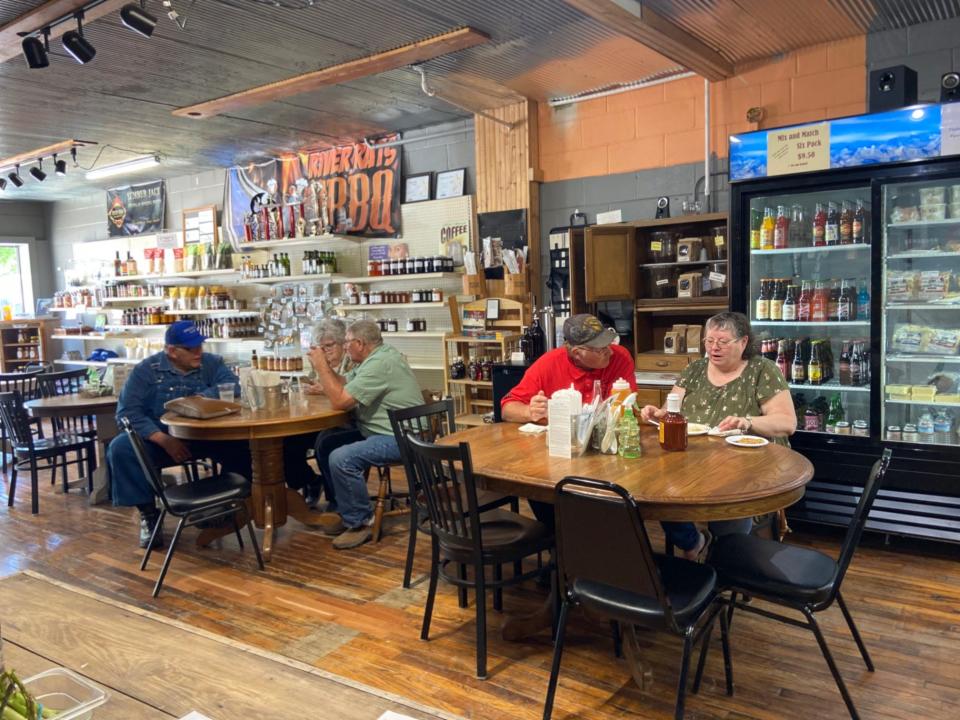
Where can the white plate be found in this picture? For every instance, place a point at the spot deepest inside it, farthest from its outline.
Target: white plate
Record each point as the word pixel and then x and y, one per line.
pixel 697 429
pixel 747 441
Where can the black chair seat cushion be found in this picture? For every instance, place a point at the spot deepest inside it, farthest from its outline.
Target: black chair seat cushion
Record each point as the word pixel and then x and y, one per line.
pixel 689 585
pixel 775 569
pixel 205 493
pixel 63 441
pixel 506 535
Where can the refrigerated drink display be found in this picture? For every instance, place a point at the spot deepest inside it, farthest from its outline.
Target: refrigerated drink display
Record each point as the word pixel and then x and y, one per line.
pixel 806 306
pixel 920 381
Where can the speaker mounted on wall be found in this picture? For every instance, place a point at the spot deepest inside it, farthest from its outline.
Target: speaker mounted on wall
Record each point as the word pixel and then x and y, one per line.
pixel 950 87
pixel 892 88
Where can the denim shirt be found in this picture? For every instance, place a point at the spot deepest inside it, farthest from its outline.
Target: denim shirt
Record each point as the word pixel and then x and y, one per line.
pixel 155 380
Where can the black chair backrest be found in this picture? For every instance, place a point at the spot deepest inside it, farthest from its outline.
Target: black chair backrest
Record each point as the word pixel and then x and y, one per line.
pixel 427 422
pixel 601 538
pixel 150 470
pixel 25 383
pixel 66 382
pixel 855 530
pixel 444 477
pixel 15 419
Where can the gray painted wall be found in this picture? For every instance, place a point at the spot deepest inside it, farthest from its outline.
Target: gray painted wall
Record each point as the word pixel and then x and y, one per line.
pixel 24 219
pixel 84 219
pixel 930 48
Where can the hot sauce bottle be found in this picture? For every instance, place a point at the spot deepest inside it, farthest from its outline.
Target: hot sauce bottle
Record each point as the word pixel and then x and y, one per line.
pixel 673 426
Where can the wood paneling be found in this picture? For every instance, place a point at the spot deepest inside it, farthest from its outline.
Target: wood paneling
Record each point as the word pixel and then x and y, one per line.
pixel 508 174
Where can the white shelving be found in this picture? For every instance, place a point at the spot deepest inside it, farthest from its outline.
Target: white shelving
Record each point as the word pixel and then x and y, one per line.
pixel 296 242
pixel 388 306
pixel 286 279
pixel 922 402
pixel 175 276
pixel 79 308
pixel 79 337
pixel 122 300
pixel 393 278
pixel 946 222
pixel 923 306
pixel 412 335
pixel 81 363
pixel 135 328
pixel 218 313
pixel 923 358
pixel 814 250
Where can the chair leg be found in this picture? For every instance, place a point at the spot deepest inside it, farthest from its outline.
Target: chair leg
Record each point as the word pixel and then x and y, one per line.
pixel 3 449
pixel 380 507
pixel 498 591
pixel 822 641
pixel 514 504
pixel 727 659
pixel 432 590
pixel 35 498
pixel 856 634
pixel 684 671
pixel 53 470
pixel 481 585
pixel 236 529
pixel 153 535
pixel 63 472
pixel 555 666
pixel 411 545
pixel 166 560
pixel 617 638
pixel 462 599
pixel 13 481
pixel 91 466
pixel 256 545
pixel 705 647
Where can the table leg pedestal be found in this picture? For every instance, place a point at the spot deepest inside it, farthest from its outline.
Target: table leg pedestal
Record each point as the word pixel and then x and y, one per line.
pixel 269 492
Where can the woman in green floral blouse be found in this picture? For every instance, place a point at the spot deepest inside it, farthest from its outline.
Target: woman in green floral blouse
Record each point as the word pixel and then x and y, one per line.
pixel 732 387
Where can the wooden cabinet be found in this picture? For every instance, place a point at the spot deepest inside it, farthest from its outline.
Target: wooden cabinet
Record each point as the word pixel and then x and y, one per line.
pixel 473 394
pixel 609 254
pixel 664 362
pixel 22 342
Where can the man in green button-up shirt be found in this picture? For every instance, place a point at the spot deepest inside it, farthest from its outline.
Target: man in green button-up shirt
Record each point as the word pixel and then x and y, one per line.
pixel 381 380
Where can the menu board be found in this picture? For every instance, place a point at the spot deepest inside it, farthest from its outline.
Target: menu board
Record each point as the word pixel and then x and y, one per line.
pixel 200 225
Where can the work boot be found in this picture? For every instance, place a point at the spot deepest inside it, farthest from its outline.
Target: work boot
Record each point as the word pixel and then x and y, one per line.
pixel 146 528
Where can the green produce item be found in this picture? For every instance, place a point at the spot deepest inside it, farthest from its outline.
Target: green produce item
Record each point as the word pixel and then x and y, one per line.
pixel 21 705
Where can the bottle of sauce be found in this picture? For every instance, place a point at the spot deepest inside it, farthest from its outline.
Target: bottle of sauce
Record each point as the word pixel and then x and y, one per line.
pixel 776 300
pixel 832 228
pixel 803 302
pixel 763 301
pixel 673 426
pixel 790 304
pixel 131 264
pixel 814 368
pixel 782 359
pixel 798 371
pixel 118 265
pixel 619 391
pixel 767 228
pixel 781 229
pixel 846 224
pixel 756 219
pixel 819 226
pixel 859 227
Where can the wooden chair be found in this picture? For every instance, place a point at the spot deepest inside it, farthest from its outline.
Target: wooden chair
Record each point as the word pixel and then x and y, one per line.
pixel 28 450
pixel 27 385
pixel 67 382
pixel 221 496
pixel 460 535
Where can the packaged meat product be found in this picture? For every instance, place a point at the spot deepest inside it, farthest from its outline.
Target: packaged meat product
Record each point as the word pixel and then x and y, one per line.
pixel 944 342
pixel 934 284
pixel 901 286
pixel 911 338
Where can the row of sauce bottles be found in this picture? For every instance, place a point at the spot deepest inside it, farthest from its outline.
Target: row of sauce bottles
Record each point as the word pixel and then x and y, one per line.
pixel 781 299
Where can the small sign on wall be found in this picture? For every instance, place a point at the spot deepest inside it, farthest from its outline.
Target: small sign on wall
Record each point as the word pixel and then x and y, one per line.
pixel 798 149
pixel 200 225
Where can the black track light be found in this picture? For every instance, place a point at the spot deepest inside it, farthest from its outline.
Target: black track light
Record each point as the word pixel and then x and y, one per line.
pixel 15 177
pixel 76 44
pixel 35 51
pixel 3 184
pixel 37 172
pixel 61 165
pixel 138 19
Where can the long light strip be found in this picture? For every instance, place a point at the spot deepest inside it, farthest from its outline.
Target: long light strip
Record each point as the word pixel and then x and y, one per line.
pixel 127 166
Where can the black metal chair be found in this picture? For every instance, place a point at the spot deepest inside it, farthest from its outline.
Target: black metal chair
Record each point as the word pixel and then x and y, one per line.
pixel 802 579
pixel 67 382
pixel 605 564
pixel 221 496
pixel 28 450
pixel 27 384
pixel 429 422
pixel 461 535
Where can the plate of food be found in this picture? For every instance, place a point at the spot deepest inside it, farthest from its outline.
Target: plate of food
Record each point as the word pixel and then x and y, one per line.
pixel 697 429
pixel 748 441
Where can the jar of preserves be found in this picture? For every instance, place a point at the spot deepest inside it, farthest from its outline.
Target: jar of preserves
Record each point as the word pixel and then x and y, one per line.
pixel 392 325
pixel 418 266
pixel 893 433
pixel 411 325
pixel 364 297
pixel 842 427
pixel 437 295
pixel 373 268
pixel 409 266
pixel 861 428
pixel 811 420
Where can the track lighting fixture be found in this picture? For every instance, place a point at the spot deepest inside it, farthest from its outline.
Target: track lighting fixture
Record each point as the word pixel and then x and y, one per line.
pixel 61 165
pixel 15 177
pixel 76 45
pixel 37 172
pixel 35 50
pixel 138 19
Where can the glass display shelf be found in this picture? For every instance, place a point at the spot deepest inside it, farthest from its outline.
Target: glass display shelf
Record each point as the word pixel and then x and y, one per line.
pixel 936 359
pixel 922 255
pixel 813 250
pixel 791 323
pixel 924 306
pixel 830 387
pixel 929 403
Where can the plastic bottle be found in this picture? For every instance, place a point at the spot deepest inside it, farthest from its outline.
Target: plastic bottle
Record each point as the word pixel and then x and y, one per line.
pixel 673 426
pixel 767 228
pixel 863 303
pixel 619 391
pixel 628 435
pixel 781 230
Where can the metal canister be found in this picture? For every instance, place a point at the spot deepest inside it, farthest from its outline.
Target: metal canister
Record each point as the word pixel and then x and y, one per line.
pixel 861 428
pixel 893 433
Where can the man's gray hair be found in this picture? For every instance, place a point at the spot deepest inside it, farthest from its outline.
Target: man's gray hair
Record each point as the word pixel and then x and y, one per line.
pixel 330 329
pixel 367 331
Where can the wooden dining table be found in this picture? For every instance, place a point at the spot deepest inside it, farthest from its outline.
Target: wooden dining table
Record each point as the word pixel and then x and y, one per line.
pixel 271 501
pixel 104 409
pixel 710 480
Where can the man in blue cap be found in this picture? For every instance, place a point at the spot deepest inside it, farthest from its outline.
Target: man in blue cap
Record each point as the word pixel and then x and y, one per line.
pixel 180 369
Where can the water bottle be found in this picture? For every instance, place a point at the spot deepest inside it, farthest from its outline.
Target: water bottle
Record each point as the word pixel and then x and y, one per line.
pixel 628 435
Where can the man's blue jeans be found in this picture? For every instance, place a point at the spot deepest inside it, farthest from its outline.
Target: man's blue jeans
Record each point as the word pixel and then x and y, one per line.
pixel 686 536
pixel 347 465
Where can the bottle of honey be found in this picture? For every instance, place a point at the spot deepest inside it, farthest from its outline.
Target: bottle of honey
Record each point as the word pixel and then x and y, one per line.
pixel 673 426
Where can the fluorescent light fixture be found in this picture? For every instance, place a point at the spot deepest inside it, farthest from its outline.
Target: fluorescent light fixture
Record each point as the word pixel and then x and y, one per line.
pixel 127 166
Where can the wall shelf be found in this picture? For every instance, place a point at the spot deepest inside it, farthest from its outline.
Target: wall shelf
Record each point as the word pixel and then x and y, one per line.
pixel 289 278
pixel 392 278
pixel 388 306
pixel 144 298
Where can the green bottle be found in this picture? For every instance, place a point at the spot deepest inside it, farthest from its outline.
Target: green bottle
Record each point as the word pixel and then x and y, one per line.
pixel 835 414
pixel 628 435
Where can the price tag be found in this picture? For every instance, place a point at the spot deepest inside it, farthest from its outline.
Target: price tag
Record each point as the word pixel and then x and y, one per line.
pixel 718 241
pixel 718 277
pixel 662 282
pixel 656 245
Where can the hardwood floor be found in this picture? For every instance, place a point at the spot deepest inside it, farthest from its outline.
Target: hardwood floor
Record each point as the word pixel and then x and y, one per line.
pixel 346 613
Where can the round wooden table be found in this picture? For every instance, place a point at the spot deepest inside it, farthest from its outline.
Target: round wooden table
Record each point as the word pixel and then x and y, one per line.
pixel 271 500
pixel 711 480
pixel 103 408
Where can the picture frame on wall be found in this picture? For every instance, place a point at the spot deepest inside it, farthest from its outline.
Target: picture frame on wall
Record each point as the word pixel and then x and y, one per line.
pixel 450 183
pixel 416 188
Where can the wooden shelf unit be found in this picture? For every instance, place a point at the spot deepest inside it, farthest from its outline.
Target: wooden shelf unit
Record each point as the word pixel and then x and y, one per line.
pixel 23 336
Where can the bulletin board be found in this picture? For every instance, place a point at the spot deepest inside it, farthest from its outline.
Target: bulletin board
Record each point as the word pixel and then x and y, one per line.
pixel 200 225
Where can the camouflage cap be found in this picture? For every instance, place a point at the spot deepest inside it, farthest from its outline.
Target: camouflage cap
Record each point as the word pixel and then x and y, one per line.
pixel 585 329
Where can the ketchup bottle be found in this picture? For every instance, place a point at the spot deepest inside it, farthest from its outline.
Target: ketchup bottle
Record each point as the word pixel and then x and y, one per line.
pixel 673 426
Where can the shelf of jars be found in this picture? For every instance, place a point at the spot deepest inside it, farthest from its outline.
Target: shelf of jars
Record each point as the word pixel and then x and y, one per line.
pixel 213 313
pixel 123 300
pixel 389 306
pixel 404 276
pixel 473 383
pixel 76 308
pixel 289 278
pixel 188 274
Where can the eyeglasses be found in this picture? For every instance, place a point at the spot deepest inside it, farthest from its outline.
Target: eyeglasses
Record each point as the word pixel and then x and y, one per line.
pixel 347 342
pixel 331 345
pixel 722 344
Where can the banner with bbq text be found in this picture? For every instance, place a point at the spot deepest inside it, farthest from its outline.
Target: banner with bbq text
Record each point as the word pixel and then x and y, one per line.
pixel 347 190
pixel 135 209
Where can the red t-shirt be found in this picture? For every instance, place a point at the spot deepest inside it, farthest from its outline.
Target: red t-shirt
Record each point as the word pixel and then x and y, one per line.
pixel 554 371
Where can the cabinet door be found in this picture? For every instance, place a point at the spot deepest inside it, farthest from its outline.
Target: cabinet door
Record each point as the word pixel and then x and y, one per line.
pixel 609 256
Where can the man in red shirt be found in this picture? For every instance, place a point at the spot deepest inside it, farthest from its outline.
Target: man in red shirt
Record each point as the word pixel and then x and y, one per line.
pixel 588 354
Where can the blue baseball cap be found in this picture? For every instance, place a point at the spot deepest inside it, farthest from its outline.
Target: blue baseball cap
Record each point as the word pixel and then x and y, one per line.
pixel 184 333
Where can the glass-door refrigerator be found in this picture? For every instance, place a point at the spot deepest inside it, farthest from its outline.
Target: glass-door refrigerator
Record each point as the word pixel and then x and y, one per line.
pixel 850 280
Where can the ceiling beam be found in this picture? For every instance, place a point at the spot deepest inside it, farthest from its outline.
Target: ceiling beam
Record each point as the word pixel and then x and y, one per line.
pixel 61 148
pixel 636 21
pixel 415 52
pixel 43 15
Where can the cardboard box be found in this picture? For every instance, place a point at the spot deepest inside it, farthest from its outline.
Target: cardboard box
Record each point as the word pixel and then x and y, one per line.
pixel 689 285
pixel 688 249
pixel 673 342
pixel 694 338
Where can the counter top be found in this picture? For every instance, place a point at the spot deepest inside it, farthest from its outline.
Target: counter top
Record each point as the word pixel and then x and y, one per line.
pixel 654 378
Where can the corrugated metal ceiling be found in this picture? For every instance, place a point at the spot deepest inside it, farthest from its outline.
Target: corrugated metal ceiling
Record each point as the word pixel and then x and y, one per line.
pixel 539 49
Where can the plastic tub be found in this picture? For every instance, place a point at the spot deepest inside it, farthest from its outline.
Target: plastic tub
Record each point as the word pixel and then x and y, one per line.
pixel 660 282
pixel 718 243
pixel 932 195
pixel 72 696
pixel 716 279
pixel 955 193
pixel 936 211
pixel 662 246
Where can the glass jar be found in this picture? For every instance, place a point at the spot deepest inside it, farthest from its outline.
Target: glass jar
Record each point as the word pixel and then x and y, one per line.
pixel 411 325
pixel 418 265
pixel 415 296
pixel 409 266
pixel 910 433
pixel 428 264
pixel 893 433
pixel 861 428
pixel 662 247
pixel 364 298
pixel 373 268
pixel 842 428
pixel 811 420
pixel 392 325
pixel 437 295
